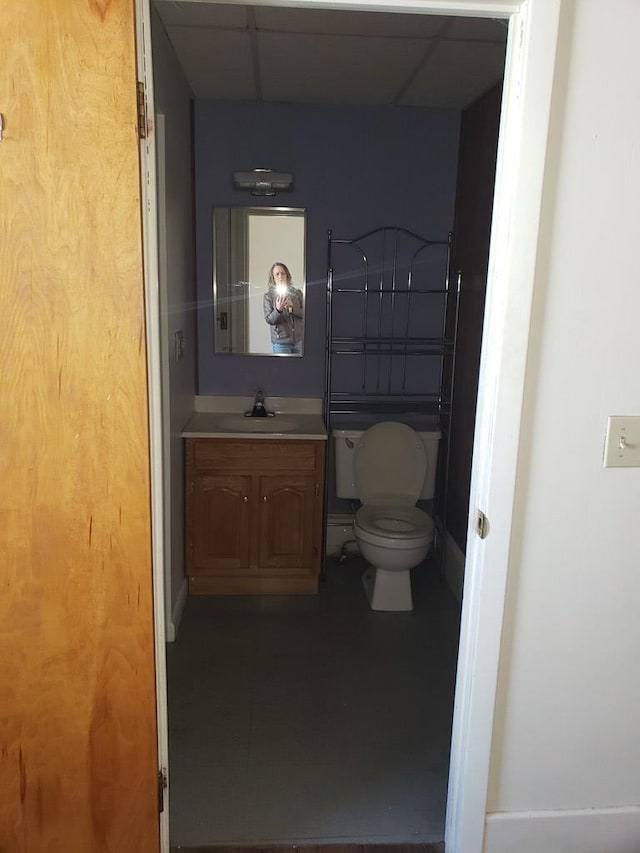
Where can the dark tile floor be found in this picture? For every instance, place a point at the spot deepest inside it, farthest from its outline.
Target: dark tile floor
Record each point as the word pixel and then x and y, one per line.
pixel 312 719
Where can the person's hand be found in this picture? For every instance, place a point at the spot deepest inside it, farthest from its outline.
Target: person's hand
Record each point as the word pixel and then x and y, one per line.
pixel 284 303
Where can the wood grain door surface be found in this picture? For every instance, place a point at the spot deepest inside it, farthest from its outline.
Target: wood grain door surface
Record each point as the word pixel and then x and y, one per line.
pixel 77 683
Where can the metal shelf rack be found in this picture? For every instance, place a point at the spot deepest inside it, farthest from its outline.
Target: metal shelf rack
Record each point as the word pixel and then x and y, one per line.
pixel 392 321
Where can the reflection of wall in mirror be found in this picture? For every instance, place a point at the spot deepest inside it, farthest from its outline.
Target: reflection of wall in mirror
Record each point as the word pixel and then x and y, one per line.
pixel 272 239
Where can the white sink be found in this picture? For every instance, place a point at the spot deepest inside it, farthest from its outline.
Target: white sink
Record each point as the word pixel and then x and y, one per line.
pixel 240 423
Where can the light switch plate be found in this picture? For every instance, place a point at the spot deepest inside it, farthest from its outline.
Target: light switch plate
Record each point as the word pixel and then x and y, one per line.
pixel 622 442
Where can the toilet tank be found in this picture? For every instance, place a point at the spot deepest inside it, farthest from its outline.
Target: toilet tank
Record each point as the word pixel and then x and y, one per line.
pixel 345 442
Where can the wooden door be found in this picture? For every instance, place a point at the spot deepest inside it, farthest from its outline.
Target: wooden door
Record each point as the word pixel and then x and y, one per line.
pixel 287 520
pixel 218 523
pixel 77 682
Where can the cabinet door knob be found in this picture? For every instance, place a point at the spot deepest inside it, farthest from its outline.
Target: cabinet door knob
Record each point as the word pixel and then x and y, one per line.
pixel 264 499
pixel 245 500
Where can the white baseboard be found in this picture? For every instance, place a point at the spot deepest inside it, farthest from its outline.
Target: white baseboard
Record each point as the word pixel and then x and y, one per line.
pixel 454 560
pixel 176 612
pixel 614 830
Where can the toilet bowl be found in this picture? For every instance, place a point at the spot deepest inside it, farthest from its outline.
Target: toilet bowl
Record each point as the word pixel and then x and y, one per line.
pixel 399 534
pixel 407 534
pixel 393 535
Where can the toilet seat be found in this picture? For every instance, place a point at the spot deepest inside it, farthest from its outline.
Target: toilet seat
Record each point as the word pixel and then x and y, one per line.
pixel 396 526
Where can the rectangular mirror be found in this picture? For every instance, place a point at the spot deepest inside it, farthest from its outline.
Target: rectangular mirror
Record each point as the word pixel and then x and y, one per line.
pixel 259 280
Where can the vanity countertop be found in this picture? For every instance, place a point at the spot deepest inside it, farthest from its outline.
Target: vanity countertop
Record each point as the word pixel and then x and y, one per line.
pixel 231 424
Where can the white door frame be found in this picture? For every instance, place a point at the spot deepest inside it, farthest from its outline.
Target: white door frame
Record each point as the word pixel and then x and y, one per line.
pixel 156 371
pixel 530 65
pixel 522 148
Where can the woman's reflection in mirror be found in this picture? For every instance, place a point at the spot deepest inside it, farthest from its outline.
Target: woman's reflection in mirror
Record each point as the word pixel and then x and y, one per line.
pixel 283 311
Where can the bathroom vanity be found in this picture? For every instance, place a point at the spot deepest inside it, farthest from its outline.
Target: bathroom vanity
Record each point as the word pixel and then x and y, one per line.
pixel 254 503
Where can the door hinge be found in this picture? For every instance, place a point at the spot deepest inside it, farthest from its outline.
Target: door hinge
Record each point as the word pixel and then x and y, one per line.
pixel 143 128
pixel 482 524
pixel 162 786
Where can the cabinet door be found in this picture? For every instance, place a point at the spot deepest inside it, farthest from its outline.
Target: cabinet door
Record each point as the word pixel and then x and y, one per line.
pixel 287 523
pixel 218 519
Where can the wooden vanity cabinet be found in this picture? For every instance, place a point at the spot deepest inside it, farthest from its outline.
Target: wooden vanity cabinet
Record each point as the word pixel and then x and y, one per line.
pixel 253 515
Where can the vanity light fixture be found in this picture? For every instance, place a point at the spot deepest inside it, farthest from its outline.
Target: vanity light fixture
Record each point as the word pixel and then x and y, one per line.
pixel 263 182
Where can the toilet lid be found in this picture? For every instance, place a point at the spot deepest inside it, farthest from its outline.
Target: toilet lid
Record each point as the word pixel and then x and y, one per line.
pixel 398 523
pixel 390 465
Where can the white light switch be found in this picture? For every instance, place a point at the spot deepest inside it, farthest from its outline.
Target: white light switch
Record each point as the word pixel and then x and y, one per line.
pixel 622 443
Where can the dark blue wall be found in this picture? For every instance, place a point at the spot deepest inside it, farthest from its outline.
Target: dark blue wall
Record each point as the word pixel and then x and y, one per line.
pixel 356 168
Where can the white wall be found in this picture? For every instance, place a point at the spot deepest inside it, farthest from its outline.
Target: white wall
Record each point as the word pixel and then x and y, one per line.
pixel 566 750
pixel 173 100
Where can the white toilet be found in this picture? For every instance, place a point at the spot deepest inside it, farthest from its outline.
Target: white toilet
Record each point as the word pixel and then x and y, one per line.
pixel 388 468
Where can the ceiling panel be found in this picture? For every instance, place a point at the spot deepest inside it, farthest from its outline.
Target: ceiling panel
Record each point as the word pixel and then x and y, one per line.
pixel 331 56
pixel 201 14
pixel 217 64
pixel 479 29
pixel 338 69
pixel 456 74
pixel 331 22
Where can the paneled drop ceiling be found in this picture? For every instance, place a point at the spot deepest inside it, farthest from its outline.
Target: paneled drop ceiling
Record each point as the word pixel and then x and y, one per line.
pixel 322 56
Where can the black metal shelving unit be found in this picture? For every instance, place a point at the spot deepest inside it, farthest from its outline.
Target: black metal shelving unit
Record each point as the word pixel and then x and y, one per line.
pixel 392 322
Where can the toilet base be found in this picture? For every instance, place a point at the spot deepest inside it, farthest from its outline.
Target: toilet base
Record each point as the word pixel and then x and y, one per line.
pixel 390 591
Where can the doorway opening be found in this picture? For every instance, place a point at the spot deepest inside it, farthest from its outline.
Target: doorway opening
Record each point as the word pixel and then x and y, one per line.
pixel 295 719
pixel 266 605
